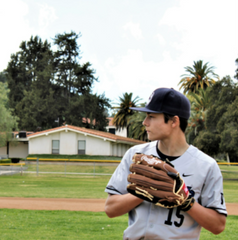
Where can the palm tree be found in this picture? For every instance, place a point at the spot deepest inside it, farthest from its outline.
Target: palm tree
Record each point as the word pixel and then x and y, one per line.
pixel 199 104
pixel 123 114
pixel 199 76
pixel 200 100
pixel 137 129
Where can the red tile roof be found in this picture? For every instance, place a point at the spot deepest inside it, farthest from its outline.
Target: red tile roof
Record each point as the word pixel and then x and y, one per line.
pixel 101 134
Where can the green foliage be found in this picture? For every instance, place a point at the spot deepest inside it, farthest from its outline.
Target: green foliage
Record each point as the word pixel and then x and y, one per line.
pixel 37 108
pixel 90 111
pixel 198 76
pixel 199 105
pixel 136 128
pixel 208 142
pixel 121 119
pixel 5 160
pixel 3 78
pixel 221 120
pixel 8 122
pixel 47 85
pixel 34 56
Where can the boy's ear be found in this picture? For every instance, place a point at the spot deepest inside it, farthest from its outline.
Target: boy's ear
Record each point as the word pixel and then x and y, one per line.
pixel 176 121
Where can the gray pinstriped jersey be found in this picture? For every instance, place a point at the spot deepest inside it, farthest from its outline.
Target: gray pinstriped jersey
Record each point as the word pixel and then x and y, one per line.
pixel 149 222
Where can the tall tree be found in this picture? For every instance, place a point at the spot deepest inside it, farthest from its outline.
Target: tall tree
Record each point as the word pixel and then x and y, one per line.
pixel 199 104
pixel 23 68
pixel 8 122
pixel 220 135
pixel 38 109
pixel 198 76
pixel 46 86
pixel 30 76
pixel 70 75
pixel 121 119
pixel 137 129
pixel 88 110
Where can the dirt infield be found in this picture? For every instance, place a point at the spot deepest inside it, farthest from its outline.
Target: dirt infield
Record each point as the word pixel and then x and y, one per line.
pixel 93 205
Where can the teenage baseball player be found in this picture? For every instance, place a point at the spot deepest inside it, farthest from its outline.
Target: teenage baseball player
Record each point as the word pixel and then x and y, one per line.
pixel 168 112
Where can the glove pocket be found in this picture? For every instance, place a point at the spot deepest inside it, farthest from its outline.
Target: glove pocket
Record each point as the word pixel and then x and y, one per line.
pixel 150 183
pixel 150 172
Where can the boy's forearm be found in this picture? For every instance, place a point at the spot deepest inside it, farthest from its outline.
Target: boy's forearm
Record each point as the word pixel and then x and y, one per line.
pixel 208 218
pixel 117 205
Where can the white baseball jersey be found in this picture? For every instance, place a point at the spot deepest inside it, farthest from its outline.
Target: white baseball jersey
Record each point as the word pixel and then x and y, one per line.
pixel 148 221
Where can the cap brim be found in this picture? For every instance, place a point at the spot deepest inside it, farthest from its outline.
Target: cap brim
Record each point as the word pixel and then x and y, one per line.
pixel 144 109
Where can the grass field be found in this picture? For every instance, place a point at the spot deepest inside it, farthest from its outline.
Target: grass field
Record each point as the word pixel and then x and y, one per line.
pixel 68 168
pixel 50 186
pixel 71 186
pixel 31 225
pixel 229 172
pixel 28 224
pixel 56 225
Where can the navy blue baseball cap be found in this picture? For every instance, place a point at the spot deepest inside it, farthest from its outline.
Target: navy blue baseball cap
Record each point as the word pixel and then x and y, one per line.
pixel 167 100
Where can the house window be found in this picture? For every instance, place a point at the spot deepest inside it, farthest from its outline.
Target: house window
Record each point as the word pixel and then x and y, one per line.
pixel 81 147
pixel 55 146
pixel 112 130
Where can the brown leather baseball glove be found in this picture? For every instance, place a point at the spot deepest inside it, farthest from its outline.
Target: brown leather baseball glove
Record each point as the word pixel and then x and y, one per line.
pixel 156 181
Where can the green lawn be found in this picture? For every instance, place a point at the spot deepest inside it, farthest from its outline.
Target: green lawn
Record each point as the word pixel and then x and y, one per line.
pixel 53 225
pixel 229 168
pixel 71 186
pixel 69 168
pixel 56 225
pixel 51 186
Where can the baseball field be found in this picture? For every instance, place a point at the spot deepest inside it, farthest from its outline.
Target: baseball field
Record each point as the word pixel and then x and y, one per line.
pixel 71 207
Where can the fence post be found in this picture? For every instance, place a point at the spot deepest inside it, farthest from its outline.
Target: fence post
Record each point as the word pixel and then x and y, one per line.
pixel 93 169
pixel 37 166
pixel 65 167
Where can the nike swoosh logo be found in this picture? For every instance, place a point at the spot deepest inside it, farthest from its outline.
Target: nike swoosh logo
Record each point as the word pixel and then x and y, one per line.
pixel 187 175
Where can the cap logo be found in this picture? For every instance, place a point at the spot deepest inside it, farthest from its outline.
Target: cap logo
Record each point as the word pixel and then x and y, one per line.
pixel 150 98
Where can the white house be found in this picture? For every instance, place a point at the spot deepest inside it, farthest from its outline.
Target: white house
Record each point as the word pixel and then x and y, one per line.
pixel 71 140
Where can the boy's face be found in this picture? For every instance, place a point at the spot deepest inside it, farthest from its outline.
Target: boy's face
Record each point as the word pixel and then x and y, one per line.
pixel 155 126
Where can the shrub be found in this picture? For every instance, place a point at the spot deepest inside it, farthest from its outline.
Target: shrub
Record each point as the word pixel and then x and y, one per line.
pixel 5 160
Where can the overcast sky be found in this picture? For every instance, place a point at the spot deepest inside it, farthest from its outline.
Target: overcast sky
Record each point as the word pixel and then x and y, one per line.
pixel 133 45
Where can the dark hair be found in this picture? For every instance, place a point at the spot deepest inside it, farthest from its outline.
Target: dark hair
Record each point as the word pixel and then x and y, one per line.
pixel 183 122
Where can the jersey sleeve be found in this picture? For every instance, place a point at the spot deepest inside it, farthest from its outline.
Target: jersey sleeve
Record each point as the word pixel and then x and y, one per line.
pixel 118 182
pixel 212 193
